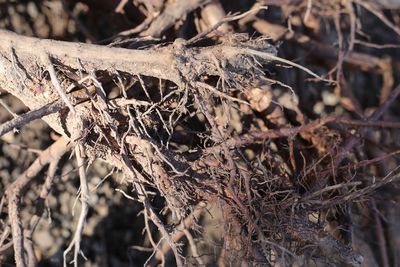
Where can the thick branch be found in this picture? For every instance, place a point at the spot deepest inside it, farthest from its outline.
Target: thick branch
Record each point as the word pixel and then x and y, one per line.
pixel 92 57
pixel 21 67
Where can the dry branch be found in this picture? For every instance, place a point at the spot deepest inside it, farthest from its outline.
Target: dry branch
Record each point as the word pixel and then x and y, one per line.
pixel 84 197
pixel 175 63
pixel 30 116
pixel 179 233
pixel 14 194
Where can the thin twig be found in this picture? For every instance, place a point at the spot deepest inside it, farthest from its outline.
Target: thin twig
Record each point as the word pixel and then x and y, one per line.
pixel 84 197
pixel 385 106
pixel 380 235
pixel 179 233
pixel 28 237
pixel 8 109
pixel 14 194
pixel 371 8
pixel 149 208
pixel 253 136
pixel 46 188
pixel 56 83
pixel 154 218
pixel 272 57
pixel 308 11
pixel 228 18
pixel 30 116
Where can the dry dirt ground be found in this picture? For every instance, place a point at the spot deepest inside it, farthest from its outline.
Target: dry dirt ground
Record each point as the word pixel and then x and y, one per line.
pixel 199 133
